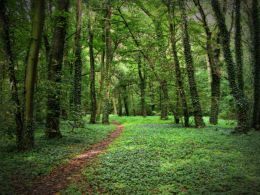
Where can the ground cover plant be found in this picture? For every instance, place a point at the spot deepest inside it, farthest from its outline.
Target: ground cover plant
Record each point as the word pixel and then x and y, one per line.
pixel 155 157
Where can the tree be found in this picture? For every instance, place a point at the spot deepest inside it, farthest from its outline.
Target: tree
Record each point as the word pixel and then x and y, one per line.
pixel 105 116
pixel 92 73
pixel 142 77
pixel 78 61
pixel 7 47
pixel 238 46
pixel 31 70
pixel 236 91
pixel 256 63
pixel 214 66
pixel 190 69
pixel 178 75
pixel 54 75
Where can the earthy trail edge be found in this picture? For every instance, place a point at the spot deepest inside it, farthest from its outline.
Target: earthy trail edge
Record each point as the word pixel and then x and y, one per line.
pixel 60 178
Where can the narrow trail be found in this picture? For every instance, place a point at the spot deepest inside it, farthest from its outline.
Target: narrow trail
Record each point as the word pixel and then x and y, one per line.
pixel 60 178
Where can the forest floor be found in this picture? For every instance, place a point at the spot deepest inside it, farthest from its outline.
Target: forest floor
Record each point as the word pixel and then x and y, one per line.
pixel 18 170
pixel 157 157
pixel 151 156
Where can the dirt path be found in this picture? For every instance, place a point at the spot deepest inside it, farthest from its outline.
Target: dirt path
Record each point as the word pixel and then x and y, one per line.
pixel 60 178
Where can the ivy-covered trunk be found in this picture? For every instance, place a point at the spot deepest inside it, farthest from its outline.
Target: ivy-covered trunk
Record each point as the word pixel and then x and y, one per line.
pixel 241 101
pixel 256 63
pixel 142 77
pixel 54 74
pixel 197 112
pixel 179 80
pixel 8 52
pixel 92 74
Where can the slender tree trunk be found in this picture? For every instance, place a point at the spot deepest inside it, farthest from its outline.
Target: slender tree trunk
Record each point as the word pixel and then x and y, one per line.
pixel 142 77
pixel 238 46
pixel 102 71
pixel 105 116
pixel 31 70
pixel 214 67
pixel 92 75
pixel 78 62
pixel 165 97
pixel 125 98
pixel 6 40
pixel 256 63
pixel 114 105
pixel 241 101
pixel 56 60
pixel 120 107
pixel 178 75
pixel 190 69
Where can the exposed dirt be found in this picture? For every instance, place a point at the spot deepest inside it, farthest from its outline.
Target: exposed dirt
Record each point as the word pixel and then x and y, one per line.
pixel 60 178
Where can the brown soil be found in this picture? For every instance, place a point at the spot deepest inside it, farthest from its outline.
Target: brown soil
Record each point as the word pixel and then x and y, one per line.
pixel 61 177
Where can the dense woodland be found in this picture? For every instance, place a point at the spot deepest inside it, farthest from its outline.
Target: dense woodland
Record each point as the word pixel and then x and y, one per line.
pixel 192 63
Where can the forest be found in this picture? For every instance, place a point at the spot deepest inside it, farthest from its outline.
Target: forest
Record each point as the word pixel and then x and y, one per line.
pixel 129 97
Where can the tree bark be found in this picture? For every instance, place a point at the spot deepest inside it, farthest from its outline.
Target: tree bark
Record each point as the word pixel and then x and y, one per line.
pixel 190 69
pixel 214 67
pixel 102 71
pixel 125 98
pixel 120 107
pixel 241 101
pixel 256 63
pixel 5 36
pixel 31 70
pixel 54 76
pixel 238 46
pixel 142 77
pixel 179 80
pixel 78 62
pixel 92 74
pixel 105 116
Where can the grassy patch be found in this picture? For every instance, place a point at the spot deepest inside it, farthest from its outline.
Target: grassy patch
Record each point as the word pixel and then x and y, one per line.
pixel 156 157
pixel 46 155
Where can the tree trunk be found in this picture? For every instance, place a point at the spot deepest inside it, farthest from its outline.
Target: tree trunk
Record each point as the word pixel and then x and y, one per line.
pixel 179 80
pixel 256 63
pixel 105 116
pixel 214 67
pixel 114 105
pixel 101 82
pixel 5 36
pixel 190 69
pixel 54 76
pixel 164 100
pixel 78 62
pixel 125 98
pixel 142 77
pixel 120 113
pixel 31 70
pixel 241 101
pixel 92 75
pixel 238 46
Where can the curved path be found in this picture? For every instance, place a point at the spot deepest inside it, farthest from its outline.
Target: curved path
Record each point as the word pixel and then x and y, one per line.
pixel 60 178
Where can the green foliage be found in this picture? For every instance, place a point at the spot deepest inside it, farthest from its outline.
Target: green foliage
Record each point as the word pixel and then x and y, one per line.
pixel 48 154
pixel 156 157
